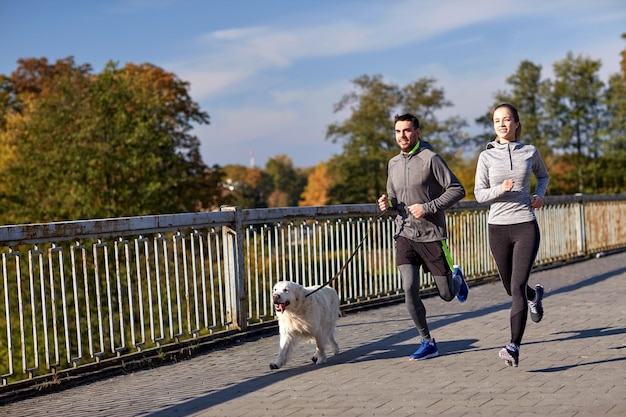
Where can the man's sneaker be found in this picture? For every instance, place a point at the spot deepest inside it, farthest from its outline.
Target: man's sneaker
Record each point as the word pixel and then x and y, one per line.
pixel 464 289
pixel 535 306
pixel 425 351
pixel 510 354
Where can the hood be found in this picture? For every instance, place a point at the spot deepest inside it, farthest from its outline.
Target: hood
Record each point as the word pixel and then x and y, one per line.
pixel 426 145
pixel 495 144
pixel 422 144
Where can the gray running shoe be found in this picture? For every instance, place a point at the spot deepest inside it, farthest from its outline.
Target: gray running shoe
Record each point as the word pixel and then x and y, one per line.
pixel 535 306
pixel 510 354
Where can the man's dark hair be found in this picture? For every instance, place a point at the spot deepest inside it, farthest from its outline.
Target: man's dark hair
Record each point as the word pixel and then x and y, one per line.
pixel 407 117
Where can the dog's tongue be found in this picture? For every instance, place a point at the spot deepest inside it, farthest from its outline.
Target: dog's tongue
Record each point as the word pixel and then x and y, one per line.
pixel 280 307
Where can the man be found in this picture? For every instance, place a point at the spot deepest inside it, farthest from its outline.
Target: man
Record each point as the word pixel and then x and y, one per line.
pixel 420 186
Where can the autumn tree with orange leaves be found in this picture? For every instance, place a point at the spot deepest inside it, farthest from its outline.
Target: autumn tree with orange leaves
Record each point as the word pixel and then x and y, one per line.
pixel 316 192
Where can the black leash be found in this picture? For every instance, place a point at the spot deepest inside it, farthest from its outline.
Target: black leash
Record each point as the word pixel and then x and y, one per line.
pixel 345 265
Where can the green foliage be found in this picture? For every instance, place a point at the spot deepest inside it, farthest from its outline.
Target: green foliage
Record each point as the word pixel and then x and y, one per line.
pixel 577 122
pixel 245 187
pixel 280 184
pixel 574 107
pixel 112 144
pixel 574 102
pixel 359 174
pixel 614 145
pixel 286 180
pixel 81 145
pixel 528 95
pixel 424 99
pixel 615 100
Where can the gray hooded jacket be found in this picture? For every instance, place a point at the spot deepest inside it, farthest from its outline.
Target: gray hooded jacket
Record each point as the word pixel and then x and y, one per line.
pixel 423 177
pixel 516 161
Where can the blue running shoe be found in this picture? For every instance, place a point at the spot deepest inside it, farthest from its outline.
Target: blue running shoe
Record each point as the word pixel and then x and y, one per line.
pixel 425 351
pixel 464 290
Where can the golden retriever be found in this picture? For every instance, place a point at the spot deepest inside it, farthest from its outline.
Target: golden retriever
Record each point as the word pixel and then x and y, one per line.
pixel 300 316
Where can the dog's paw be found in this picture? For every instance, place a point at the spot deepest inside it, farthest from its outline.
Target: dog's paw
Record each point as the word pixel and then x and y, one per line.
pixel 318 360
pixel 274 365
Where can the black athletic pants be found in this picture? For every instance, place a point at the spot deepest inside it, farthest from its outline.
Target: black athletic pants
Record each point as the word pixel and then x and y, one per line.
pixel 514 248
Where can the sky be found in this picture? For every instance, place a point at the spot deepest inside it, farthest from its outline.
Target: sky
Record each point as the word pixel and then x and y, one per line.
pixel 269 72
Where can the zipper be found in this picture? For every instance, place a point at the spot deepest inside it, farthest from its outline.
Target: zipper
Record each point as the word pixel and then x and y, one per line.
pixel 508 146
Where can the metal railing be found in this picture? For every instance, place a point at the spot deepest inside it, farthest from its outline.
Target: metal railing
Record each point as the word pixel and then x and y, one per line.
pixel 82 293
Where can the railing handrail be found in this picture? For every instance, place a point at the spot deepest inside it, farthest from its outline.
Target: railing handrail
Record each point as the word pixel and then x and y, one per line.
pixel 33 233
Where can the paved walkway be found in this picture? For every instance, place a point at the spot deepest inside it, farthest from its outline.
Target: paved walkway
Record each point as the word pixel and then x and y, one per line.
pixel 573 363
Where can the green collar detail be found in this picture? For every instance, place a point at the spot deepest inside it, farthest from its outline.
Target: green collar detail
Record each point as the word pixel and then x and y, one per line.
pixel 415 148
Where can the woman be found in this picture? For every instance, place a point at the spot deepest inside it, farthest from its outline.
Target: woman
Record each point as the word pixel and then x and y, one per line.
pixel 503 179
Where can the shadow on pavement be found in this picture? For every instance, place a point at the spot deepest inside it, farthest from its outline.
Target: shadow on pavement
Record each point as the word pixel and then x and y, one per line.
pixel 393 347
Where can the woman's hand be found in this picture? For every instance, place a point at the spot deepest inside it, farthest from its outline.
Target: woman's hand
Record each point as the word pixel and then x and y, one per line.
pixel 507 185
pixel 536 202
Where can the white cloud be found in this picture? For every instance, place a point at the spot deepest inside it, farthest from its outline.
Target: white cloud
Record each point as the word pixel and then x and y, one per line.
pixel 210 83
pixel 250 51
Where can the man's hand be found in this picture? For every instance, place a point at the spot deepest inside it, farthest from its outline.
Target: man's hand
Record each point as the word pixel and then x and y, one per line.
pixel 383 202
pixel 417 210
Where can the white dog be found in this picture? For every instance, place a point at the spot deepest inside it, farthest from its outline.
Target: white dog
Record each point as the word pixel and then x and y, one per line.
pixel 300 316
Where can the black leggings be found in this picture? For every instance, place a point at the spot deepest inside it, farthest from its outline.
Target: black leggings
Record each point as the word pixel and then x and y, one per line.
pixel 514 248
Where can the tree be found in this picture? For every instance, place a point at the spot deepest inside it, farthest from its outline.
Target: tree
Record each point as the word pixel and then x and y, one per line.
pixel 205 189
pixel 527 94
pixel 44 123
pixel 287 182
pixel 317 188
pixel 245 187
pixel 575 121
pixel 574 105
pixel 90 145
pixel 424 99
pixel 614 147
pixel 359 173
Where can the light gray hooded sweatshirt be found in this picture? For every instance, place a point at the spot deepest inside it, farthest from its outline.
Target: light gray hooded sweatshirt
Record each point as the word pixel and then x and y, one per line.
pixel 516 161
pixel 422 176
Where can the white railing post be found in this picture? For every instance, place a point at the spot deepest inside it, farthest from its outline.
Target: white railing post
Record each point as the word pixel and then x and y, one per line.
pixel 235 289
pixel 582 235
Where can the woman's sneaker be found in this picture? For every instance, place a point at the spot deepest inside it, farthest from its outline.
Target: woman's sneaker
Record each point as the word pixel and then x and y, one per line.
pixel 510 354
pixel 535 306
pixel 425 351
